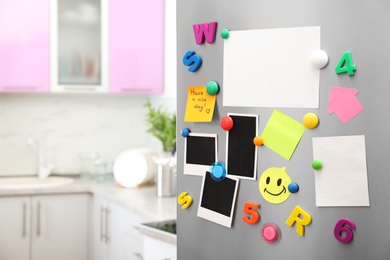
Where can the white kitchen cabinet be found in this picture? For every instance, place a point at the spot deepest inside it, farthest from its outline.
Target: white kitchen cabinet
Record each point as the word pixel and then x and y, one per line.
pixel 15 228
pixel 44 227
pixel 79 45
pixel 113 234
pixel 156 249
pixel 159 240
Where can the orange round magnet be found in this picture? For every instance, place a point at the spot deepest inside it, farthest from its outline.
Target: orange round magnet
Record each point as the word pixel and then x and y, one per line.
pixel 258 141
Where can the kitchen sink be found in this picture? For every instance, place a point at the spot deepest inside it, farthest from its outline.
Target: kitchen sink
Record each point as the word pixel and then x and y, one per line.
pixel 33 182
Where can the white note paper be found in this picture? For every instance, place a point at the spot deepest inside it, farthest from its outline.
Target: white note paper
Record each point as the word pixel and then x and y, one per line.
pixel 342 180
pixel 271 68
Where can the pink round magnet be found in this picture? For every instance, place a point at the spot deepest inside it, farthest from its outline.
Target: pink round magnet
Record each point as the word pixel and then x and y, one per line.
pixel 269 233
pixel 226 123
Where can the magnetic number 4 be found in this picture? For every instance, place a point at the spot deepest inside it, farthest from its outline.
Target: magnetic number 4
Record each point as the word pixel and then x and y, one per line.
pixel 345 64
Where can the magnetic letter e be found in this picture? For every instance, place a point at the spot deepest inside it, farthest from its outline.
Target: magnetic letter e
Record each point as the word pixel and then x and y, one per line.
pixel 301 218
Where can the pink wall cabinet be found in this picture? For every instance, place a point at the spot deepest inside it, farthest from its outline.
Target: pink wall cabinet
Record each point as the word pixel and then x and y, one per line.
pixel 24 46
pixel 136 52
pixel 79 45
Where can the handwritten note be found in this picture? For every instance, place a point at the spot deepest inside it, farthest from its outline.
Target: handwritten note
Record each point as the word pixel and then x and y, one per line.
pixel 200 105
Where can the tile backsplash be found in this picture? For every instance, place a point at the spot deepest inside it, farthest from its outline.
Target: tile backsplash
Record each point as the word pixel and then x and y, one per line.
pixel 67 125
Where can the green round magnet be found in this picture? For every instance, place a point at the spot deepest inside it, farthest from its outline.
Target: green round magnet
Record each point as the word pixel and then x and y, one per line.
pixel 212 88
pixel 225 33
pixel 316 164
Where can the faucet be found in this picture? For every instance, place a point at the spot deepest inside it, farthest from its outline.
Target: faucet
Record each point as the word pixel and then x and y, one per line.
pixel 44 168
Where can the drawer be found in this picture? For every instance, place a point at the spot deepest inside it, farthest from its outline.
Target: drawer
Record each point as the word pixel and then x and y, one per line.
pixel 132 221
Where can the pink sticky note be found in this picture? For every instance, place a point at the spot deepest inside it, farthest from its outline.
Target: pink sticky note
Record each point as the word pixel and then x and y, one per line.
pixel 343 102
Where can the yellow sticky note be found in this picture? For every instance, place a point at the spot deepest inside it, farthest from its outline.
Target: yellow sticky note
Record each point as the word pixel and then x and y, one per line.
pixel 282 134
pixel 200 105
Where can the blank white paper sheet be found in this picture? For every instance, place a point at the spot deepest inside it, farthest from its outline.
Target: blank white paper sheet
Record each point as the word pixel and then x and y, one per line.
pixel 342 180
pixel 271 68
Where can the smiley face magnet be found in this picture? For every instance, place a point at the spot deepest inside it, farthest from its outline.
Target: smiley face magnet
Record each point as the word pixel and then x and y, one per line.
pixel 273 185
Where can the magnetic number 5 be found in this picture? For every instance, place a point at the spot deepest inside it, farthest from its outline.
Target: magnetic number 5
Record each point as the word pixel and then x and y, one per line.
pixel 250 209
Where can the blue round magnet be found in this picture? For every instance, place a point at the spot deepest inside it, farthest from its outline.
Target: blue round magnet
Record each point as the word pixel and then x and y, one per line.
pixel 218 171
pixel 185 132
pixel 293 187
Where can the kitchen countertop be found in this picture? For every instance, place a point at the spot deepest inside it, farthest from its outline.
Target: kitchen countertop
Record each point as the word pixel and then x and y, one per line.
pixel 142 201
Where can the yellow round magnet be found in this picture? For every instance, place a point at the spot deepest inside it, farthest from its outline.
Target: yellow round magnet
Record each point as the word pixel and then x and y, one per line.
pixel 310 120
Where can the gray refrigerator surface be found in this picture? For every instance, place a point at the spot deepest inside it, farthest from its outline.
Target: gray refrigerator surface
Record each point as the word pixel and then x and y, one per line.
pixel 361 27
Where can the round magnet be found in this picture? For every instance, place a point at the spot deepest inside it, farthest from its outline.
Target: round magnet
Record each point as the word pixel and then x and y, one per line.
pixel 218 171
pixel 212 88
pixel 227 123
pixel 185 132
pixel 310 120
pixel 293 187
pixel 316 164
pixel 319 59
pixel 225 33
pixel 258 141
pixel 269 233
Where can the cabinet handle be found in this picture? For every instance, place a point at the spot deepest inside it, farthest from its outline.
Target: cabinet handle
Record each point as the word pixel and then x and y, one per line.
pixel 39 219
pixel 80 88
pixel 18 88
pixel 102 210
pixel 24 219
pixel 136 89
pixel 107 232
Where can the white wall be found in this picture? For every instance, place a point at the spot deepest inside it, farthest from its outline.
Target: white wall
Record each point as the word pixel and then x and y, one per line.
pixel 68 124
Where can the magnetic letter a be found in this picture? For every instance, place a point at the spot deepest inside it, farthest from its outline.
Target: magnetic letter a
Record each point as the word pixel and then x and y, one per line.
pixel 301 222
pixel 205 30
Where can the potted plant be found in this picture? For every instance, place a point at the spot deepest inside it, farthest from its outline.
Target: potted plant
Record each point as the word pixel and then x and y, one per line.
pixel 162 124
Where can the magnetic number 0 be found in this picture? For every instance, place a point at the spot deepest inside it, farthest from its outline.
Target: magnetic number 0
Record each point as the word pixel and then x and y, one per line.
pixel 344 226
pixel 250 209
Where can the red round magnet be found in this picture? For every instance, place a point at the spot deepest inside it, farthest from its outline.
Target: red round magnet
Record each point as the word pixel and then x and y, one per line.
pixel 226 123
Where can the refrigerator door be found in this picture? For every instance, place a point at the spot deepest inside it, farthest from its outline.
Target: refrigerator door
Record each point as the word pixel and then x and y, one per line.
pixel 332 212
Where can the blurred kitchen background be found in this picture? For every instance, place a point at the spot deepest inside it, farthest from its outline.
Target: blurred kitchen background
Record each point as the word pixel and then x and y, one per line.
pixel 67 125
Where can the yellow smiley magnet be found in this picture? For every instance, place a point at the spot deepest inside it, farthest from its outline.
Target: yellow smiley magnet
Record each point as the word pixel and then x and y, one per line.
pixel 273 185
